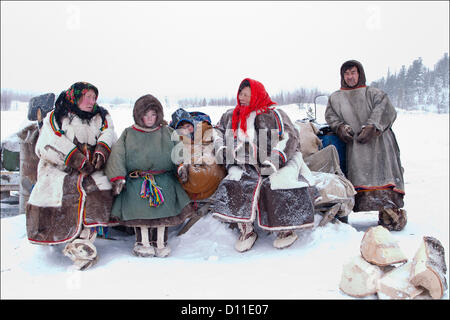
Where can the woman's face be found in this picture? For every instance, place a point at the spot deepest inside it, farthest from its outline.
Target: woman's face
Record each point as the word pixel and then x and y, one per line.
pixel 244 96
pixel 149 119
pixel 87 101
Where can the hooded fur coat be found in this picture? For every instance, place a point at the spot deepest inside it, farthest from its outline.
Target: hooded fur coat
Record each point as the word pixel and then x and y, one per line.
pixel 196 152
pixel 374 168
pixel 204 174
pixel 142 148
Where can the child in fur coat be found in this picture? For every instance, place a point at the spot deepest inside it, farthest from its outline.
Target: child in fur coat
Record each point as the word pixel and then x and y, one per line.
pixel 148 195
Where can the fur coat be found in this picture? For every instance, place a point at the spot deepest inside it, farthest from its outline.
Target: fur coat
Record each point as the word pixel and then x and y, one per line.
pixel 147 149
pixel 63 200
pixel 374 168
pixel 204 174
pixel 264 181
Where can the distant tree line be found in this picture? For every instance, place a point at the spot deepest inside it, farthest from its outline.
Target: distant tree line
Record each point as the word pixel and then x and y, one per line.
pixel 412 88
pixel 417 87
pixel 8 96
pixel 300 95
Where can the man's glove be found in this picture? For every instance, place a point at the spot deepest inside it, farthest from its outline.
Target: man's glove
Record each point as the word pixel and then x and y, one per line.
pixel 183 173
pixel 345 133
pixel 117 186
pixel 87 168
pixel 367 133
pixel 99 161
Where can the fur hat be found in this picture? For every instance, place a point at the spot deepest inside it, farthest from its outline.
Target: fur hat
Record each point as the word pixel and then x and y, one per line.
pixel 143 105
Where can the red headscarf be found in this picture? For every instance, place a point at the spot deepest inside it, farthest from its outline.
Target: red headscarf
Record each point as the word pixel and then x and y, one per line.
pixel 259 102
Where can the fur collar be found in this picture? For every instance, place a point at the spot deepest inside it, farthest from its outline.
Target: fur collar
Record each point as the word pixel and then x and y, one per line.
pixel 144 129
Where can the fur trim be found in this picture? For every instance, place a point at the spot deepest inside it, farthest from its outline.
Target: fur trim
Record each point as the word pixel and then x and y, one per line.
pixel 144 129
pixel 143 105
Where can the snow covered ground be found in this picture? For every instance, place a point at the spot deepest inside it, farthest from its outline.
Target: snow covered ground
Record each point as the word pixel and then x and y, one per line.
pixel 203 263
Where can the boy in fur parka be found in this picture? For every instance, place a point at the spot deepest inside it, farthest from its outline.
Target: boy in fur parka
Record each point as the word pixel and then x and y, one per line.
pixel 149 197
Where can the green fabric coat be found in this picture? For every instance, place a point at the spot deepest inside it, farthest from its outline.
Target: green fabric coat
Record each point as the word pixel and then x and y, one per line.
pixel 141 149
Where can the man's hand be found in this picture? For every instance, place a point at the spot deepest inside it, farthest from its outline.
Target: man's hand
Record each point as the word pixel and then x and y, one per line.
pixel 367 133
pixel 345 133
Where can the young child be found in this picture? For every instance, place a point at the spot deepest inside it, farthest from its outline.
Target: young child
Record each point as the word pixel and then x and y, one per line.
pixel 199 172
pixel 149 197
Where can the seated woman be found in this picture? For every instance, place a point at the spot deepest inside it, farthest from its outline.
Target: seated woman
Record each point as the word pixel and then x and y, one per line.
pixel 264 182
pixel 72 195
pixel 149 197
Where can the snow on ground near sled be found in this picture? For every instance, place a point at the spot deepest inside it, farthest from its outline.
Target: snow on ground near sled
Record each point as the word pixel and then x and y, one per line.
pixel 203 263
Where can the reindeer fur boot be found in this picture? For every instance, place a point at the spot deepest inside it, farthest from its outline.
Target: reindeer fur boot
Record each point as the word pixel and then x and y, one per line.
pixel 162 249
pixel 392 219
pixel 285 239
pixel 82 250
pixel 142 246
pixel 247 237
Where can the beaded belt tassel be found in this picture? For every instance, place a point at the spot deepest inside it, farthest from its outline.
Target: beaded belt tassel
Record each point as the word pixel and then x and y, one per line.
pixel 150 190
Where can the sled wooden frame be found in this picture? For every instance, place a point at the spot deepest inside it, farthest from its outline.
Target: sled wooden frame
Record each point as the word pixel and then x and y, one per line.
pixel 198 215
pixel 8 179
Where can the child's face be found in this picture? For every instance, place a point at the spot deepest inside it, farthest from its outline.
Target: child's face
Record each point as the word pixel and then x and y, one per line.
pixel 186 128
pixel 149 119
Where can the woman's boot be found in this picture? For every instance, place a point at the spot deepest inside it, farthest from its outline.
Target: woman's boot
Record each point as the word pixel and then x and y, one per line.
pixel 247 237
pixel 82 250
pixel 285 239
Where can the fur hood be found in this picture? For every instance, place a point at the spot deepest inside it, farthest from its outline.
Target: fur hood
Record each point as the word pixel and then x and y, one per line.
pixel 143 105
pixel 362 75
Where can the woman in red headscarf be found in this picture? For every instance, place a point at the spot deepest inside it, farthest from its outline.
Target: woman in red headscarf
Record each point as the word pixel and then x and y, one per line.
pixel 263 160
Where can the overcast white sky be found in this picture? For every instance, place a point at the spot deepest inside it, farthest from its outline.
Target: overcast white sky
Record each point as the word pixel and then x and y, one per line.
pixel 188 49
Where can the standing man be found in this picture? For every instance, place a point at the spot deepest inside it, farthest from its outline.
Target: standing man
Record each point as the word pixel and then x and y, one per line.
pixel 362 117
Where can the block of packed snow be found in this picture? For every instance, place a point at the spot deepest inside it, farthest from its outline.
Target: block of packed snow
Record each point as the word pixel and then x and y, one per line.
pixel 429 268
pixel 359 278
pixel 395 284
pixel 379 247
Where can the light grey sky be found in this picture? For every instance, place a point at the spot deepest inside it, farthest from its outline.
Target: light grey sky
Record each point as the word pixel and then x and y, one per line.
pixel 189 49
